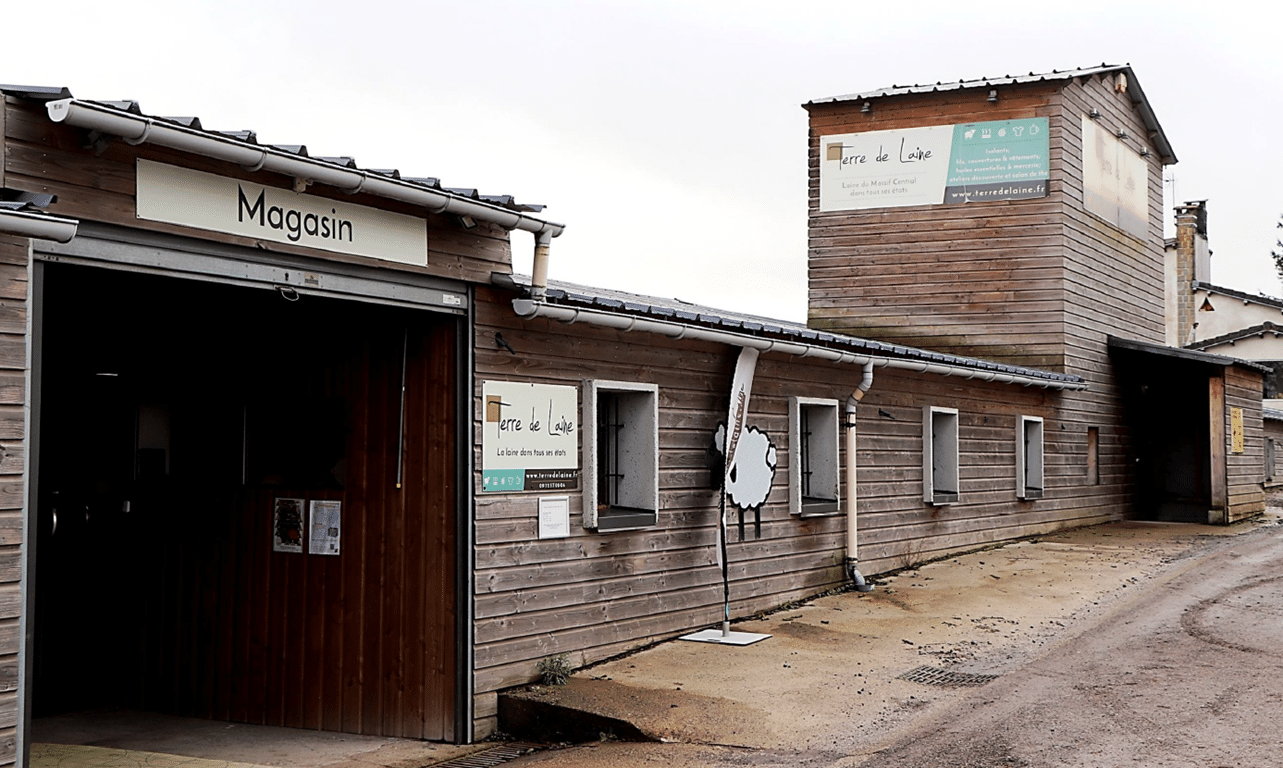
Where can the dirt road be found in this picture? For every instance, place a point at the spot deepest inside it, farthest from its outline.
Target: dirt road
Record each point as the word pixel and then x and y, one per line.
pixel 1173 657
pixel 1189 672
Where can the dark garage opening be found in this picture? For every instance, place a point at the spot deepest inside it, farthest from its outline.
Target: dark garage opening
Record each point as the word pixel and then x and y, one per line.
pixel 175 416
pixel 1166 400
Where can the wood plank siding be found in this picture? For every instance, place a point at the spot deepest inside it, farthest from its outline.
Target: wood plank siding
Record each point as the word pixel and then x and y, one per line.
pixel 1245 471
pixel 14 258
pixel 980 279
pixel 594 595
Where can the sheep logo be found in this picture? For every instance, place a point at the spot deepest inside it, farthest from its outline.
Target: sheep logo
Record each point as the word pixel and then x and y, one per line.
pixel 753 473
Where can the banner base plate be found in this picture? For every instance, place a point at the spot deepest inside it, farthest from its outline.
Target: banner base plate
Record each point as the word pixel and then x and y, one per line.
pixel 729 638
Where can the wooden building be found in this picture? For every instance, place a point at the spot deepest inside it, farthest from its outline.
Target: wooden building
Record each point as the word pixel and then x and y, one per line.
pixel 364 484
pixel 236 425
pixel 1036 251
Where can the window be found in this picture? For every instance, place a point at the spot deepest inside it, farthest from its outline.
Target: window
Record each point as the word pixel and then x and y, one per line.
pixel 813 456
pixel 1271 453
pixel 939 455
pixel 1029 457
pixel 621 451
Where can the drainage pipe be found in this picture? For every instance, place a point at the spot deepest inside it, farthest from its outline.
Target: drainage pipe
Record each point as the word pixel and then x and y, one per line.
pixel 139 129
pixel 539 272
pixel 530 309
pixel 852 530
pixel 41 226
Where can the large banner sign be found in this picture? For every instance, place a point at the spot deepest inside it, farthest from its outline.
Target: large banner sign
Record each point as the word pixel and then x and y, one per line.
pixel 529 437
pixel 936 165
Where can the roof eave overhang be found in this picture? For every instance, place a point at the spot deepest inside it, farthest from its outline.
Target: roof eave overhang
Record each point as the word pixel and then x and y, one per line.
pixel 529 309
pixel 1178 353
pixel 139 129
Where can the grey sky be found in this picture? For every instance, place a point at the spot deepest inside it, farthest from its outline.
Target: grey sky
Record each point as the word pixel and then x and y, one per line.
pixel 668 135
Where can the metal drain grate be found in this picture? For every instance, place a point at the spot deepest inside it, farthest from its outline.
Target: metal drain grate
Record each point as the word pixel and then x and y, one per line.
pixel 490 757
pixel 945 677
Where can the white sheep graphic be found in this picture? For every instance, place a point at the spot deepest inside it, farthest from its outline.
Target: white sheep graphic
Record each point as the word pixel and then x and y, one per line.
pixel 753 473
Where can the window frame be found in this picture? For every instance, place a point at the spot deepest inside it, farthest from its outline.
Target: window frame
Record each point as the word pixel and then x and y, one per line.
pixel 819 454
pixel 1030 457
pixel 643 487
pixel 940 479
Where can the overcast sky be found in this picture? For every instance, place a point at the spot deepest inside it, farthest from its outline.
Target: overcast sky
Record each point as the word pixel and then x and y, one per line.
pixel 667 135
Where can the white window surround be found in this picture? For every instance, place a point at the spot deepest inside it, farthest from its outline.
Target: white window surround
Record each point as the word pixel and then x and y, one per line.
pixel 638 447
pixel 823 418
pixel 939 455
pixel 1029 457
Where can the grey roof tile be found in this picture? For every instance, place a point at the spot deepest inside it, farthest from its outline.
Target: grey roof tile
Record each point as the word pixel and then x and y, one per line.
pixel 45 93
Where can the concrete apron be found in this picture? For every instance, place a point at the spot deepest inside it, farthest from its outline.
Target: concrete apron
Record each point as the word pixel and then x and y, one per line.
pixel 123 739
pixel 830 673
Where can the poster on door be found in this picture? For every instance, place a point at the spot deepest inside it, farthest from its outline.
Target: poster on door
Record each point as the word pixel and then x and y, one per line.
pixel 287 525
pixel 324 526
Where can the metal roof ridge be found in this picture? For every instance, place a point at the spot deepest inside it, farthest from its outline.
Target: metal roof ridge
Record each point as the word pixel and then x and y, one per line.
pixel 694 315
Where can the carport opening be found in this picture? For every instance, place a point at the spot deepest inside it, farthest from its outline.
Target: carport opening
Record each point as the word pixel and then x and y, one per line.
pixel 175 417
pixel 1166 406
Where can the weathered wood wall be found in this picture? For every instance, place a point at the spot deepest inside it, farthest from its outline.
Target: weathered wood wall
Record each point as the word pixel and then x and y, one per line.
pixel 14 278
pixel 594 595
pixel 1244 472
pixel 980 279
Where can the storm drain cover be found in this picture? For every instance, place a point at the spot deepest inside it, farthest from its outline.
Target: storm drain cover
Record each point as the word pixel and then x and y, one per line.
pixel 945 677
pixel 490 757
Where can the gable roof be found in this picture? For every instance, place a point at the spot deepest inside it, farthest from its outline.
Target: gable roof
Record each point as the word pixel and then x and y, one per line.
pixel 1240 334
pixel 1260 298
pixel 1139 101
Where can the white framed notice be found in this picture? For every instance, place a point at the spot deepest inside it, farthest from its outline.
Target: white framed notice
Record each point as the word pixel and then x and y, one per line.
pixel 325 526
pixel 554 517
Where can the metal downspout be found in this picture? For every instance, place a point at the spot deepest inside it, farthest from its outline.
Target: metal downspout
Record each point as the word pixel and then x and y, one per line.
pixel 852 530
pixel 539 271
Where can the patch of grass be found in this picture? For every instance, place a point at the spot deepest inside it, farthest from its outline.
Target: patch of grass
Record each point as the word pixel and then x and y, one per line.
pixel 555 670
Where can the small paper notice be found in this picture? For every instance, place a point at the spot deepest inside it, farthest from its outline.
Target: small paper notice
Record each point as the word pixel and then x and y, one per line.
pixel 325 527
pixel 287 525
pixel 554 517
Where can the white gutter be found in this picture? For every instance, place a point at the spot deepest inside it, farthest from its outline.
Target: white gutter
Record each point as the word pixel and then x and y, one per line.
pixel 138 129
pixel 852 529
pixel 38 225
pixel 529 308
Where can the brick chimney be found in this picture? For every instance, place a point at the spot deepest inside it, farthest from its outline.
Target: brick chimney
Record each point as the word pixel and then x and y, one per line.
pixel 1193 265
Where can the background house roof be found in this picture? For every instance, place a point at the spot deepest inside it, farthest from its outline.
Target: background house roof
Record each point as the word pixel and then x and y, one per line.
pixel 1258 298
pixel 1233 336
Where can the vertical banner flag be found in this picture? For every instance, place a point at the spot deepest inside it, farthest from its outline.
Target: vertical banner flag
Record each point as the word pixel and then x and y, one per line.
pixel 741 388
